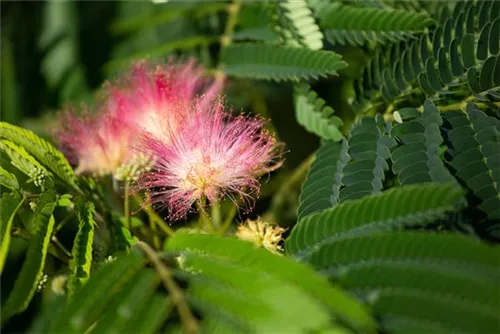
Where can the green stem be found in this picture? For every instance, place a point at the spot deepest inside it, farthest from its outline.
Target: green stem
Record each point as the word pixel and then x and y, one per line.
pixel 233 10
pixel 283 192
pixel 228 220
pixel 216 215
pixel 188 320
pixel 154 217
pixel 126 205
pixel 204 221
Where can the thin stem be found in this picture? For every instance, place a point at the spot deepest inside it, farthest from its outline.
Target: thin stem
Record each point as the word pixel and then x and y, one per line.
pixel 216 215
pixel 228 220
pixel 189 322
pixel 233 10
pixel 204 221
pixel 126 205
pixel 61 247
pixel 153 216
pixel 283 192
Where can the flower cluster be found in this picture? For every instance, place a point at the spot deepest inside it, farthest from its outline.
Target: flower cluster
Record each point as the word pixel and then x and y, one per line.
pixel 262 234
pixel 166 129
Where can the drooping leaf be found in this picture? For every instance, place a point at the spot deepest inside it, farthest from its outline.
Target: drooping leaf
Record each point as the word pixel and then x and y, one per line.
pixel 312 113
pixel 82 249
pixel 9 204
pixel 32 269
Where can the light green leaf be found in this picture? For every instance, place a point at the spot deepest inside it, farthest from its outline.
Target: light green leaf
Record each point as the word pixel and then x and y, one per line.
pixel 42 150
pixel 82 249
pixel 9 204
pixel 32 269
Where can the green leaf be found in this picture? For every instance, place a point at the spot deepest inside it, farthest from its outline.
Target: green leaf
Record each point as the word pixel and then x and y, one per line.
pixel 31 271
pixel 392 209
pixel 23 161
pixel 475 142
pixel 89 303
pixel 277 62
pixel 323 182
pixel 44 152
pixel 10 204
pixel 369 149
pixel 313 114
pixel 418 158
pixel 349 25
pixel 419 281
pixel 299 19
pixel 240 264
pixel 134 296
pixel 8 180
pixel 82 249
pixel 150 315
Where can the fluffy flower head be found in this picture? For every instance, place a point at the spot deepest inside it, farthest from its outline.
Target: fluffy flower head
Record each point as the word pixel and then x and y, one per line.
pixel 146 97
pixel 211 154
pixel 97 144
pixel 141 101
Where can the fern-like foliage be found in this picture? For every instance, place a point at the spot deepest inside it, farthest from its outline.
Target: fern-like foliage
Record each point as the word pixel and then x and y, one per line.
pixel 312 113
pixel 455 59
pixel 10 204
pixel 8 179
pixel 323 181
pixel 23 161
pixel 394 208
pixel 475 150
pixel 418 281
pixel 419 158
pixel 42 150
pixel 31 271
pixel 369 144
pixel 231 252
pixel 231 284
pixel 351 25
pixel 279 63
pixel 82 249
pixel 297 23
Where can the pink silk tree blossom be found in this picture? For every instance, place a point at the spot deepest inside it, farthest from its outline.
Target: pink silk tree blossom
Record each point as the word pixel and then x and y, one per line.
pixel 144 97
pixel 137 102
pixel 211 154
pixel 97 144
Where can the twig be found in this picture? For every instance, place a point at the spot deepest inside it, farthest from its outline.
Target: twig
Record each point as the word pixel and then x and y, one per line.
pixel 126 205
pixel 153 216
pixel 189 322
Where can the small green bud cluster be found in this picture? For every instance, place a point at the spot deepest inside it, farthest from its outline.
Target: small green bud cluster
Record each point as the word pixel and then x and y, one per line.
pixel 131 171
pixel 38 176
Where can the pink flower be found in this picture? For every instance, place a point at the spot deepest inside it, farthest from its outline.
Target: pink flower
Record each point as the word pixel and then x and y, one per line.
pixel 97 144
pixel 140 101
pixel 148 95
pixel 210 155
